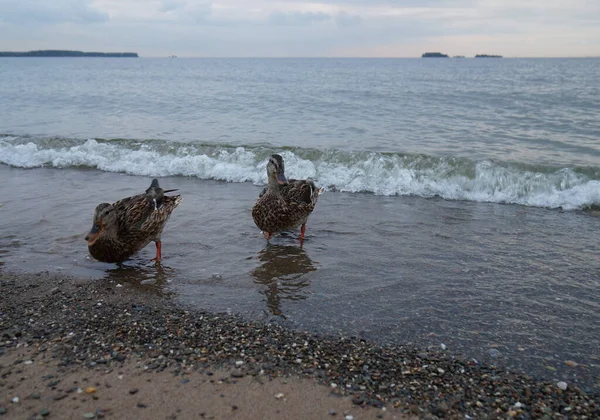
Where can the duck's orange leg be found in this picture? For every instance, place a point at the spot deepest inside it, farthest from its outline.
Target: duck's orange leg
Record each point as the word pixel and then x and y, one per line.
pixel 302 231
pixel 158 257
pixel 267 235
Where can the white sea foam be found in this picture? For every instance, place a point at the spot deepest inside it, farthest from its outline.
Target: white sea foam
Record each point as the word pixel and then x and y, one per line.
pixel 381 174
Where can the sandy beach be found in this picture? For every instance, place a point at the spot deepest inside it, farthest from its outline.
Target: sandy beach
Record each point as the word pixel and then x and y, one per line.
pixel 131 391
pixel 73 349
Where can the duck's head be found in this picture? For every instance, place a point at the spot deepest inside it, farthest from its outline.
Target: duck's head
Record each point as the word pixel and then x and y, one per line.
pixel 104 218
pixel 154 195
pixel 276 170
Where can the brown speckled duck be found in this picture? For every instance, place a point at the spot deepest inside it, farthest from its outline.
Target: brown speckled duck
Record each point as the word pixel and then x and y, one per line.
pixel 123 228
pixel 284 204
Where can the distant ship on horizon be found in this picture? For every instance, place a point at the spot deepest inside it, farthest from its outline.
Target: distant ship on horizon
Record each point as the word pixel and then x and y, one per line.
pixel 487 56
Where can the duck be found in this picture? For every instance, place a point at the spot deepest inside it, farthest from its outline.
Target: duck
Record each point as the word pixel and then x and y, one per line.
pixel 285 203
pixel 123 228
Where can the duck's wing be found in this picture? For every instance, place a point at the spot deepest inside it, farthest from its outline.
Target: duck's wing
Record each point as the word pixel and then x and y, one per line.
pixel 302 191
pixel 132 212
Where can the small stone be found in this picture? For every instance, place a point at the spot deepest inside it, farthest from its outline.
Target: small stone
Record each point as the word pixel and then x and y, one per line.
pixel 494 353
pixel 239 363
pixel 44 412
pixel 133 391
pixel 562 385
pixel 28 362
pixel 332 412
pixel 89 415
pixel 15 400
pixel 279 396
pixel 90 390
pixel 358 400
pixel 349 417
pixel 443 346
pixel 35 396
pixel 512 413
pixel 3 411
pixel 52 384
pixel 141 405
pixel 441 409
pixel 237 373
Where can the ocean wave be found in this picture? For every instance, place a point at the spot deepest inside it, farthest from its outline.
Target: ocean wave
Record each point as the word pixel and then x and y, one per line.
pixel 389 174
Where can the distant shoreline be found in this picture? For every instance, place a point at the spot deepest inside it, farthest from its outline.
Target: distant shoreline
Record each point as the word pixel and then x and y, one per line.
pixel 66 53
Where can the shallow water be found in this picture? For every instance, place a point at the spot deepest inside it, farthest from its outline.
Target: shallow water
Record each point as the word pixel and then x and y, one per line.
pixel 512 285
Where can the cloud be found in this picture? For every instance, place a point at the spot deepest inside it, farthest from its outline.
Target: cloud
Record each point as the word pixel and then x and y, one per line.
pixel 398 3
pixel 346 19
pixel 171 5
pixel 297 18
pixel 50 12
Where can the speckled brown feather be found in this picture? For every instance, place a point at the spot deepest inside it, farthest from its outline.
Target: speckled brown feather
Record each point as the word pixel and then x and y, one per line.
pixel 138 224
pixel 284 207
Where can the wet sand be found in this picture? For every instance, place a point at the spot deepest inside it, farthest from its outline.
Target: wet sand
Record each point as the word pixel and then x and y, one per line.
pixel 129 391
pixel 75 347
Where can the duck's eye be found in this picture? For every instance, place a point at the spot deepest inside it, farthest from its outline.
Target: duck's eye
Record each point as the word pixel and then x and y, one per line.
pixel 97 226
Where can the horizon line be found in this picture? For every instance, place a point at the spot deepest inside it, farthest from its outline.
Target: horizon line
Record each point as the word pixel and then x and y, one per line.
pixel 345 56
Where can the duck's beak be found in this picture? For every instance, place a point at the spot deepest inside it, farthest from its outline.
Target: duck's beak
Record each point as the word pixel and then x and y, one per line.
pixel 93 234
pixel 281 180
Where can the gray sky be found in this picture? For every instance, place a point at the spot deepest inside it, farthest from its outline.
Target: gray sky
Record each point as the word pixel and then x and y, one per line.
pixel 315 28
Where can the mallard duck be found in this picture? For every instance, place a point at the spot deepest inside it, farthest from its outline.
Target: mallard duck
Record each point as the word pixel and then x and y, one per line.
pixel 123 228
pixel 284 204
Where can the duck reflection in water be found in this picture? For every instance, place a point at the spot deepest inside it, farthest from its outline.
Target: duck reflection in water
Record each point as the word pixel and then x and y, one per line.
pixel 282 271
pixel 141 279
